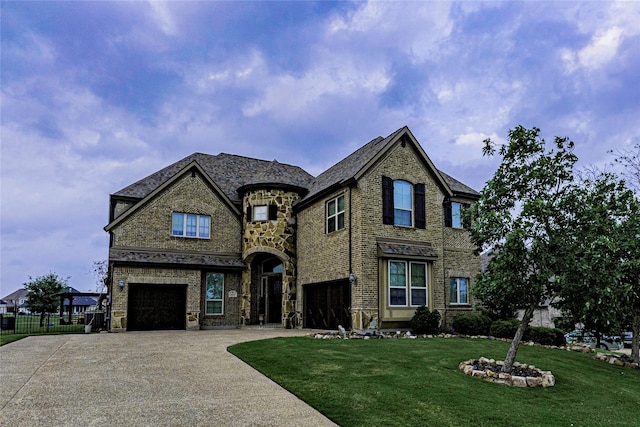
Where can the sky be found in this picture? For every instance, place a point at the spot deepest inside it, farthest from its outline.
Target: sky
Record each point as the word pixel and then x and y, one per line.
pixel 97 95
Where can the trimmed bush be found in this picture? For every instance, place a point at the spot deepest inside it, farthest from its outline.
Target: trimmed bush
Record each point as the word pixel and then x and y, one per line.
pixel 472 324
pixel 545 336
pixel 504 328
pixel 425 321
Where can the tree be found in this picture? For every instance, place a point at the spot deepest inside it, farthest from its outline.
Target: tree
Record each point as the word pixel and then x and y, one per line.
pixel 518 218
pixel 101 274
pixel 590 283
pixel 43 294
pixel 629 159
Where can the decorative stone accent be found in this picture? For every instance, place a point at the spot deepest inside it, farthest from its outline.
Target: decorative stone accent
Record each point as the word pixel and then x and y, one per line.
pixel 618 360
pixel 540 379
pixel 276 237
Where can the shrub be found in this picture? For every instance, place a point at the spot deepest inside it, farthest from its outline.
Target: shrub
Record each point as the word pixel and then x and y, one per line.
pixel 504 328
pixel 545 336
pixel 425 321
pixel 472 324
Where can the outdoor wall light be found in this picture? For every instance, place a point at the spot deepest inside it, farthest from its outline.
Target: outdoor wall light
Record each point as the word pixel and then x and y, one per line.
pixel 121 284
pixel 353 279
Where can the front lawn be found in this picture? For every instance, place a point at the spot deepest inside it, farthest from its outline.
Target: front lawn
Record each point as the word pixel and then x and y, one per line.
pixel 416 382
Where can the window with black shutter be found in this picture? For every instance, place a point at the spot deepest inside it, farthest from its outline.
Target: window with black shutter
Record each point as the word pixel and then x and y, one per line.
pixel 387 200
pixel 419 201
pixel 273 212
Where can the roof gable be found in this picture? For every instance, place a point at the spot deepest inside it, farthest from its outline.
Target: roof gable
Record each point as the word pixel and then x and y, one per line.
pixel 192 167
pixel 358 163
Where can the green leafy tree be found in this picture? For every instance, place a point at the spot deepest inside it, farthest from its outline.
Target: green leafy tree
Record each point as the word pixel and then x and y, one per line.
pixel 518 219
pixel 629 159
pixel 590 280
pixel 43 294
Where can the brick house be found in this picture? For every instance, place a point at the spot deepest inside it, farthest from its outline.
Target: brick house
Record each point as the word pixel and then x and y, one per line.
pixel 225 240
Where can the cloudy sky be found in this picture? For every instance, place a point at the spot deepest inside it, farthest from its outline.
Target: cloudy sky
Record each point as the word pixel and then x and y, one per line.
pixel 96 95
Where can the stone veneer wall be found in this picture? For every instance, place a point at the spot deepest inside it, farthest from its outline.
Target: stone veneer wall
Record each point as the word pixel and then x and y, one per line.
pixel 275 237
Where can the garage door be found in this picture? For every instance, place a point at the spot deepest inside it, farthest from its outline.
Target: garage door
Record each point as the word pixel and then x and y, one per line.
pixel 327 305
pixel 154 307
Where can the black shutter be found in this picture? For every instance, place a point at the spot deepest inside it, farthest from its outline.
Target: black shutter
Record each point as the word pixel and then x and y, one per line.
pixel 447 214
pixel 419 200
pixel 273 212
pixel 466 220
pixel 387 200
pixel 248 215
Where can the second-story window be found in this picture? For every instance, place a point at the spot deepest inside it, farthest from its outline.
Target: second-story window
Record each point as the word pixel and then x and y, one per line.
pixel 335 214
pixel 190 225
pixel 402 204
pixel 453 214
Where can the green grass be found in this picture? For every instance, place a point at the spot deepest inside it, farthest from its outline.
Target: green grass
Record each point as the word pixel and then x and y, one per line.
pixel 402 382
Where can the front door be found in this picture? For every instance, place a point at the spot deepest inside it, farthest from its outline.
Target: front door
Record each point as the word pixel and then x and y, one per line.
pixel 271 298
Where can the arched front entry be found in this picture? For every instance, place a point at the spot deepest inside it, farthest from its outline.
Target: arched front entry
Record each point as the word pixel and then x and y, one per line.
pixel 266 290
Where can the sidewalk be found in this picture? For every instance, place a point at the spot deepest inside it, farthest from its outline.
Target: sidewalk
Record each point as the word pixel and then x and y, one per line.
pixel 160 378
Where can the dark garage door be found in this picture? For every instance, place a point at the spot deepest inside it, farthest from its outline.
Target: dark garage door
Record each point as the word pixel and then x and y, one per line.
pixel 154 307
pixel 327 305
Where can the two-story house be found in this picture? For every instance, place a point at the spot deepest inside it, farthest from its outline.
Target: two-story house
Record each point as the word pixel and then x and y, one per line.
pixel 224 241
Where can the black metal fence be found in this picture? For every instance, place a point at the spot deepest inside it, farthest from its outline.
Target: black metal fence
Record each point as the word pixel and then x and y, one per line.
pixel 51 323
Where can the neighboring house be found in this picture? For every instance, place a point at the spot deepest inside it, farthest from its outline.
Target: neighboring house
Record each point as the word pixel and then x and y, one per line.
pixel 3 307
pixel 225 240
pixel 80 304
pixel 17 301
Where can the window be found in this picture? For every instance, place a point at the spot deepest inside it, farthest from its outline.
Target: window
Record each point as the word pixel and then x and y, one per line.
pixel 407 284
pixel 190 225
pixel 214 300
pixel 458 288
pixel 402 204
pixel 456 217
pixel 335 214
pixel 453 214
pixel 260 213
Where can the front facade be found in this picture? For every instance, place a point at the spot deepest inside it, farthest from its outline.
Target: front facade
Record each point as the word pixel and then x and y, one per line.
pixel 226 241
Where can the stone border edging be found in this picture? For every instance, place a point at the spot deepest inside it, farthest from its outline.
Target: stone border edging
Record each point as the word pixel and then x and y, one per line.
pixel 546 378
pixel 616 360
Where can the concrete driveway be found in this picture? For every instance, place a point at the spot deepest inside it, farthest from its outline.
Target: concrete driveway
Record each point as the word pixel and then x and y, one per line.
pixel 161 378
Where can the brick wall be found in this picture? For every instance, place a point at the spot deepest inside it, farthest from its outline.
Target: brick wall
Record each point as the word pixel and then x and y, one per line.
pixel 150 226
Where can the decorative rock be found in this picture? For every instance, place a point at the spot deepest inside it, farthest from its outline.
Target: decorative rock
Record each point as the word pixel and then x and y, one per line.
pixel 548 380
pixel 518 381
pixel 534 381
pixel 478 374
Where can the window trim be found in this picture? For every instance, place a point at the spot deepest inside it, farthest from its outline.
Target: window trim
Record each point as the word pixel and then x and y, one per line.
pixel 185 224
pixel 335 216
pixel 457 280
pixel 221 299
pixel 408 286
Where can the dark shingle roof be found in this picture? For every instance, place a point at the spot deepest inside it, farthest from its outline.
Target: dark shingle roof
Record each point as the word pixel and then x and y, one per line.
pixel 170 257
pixel 231 173
pixel 457 187
pixel 228 171
pixel 349 166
